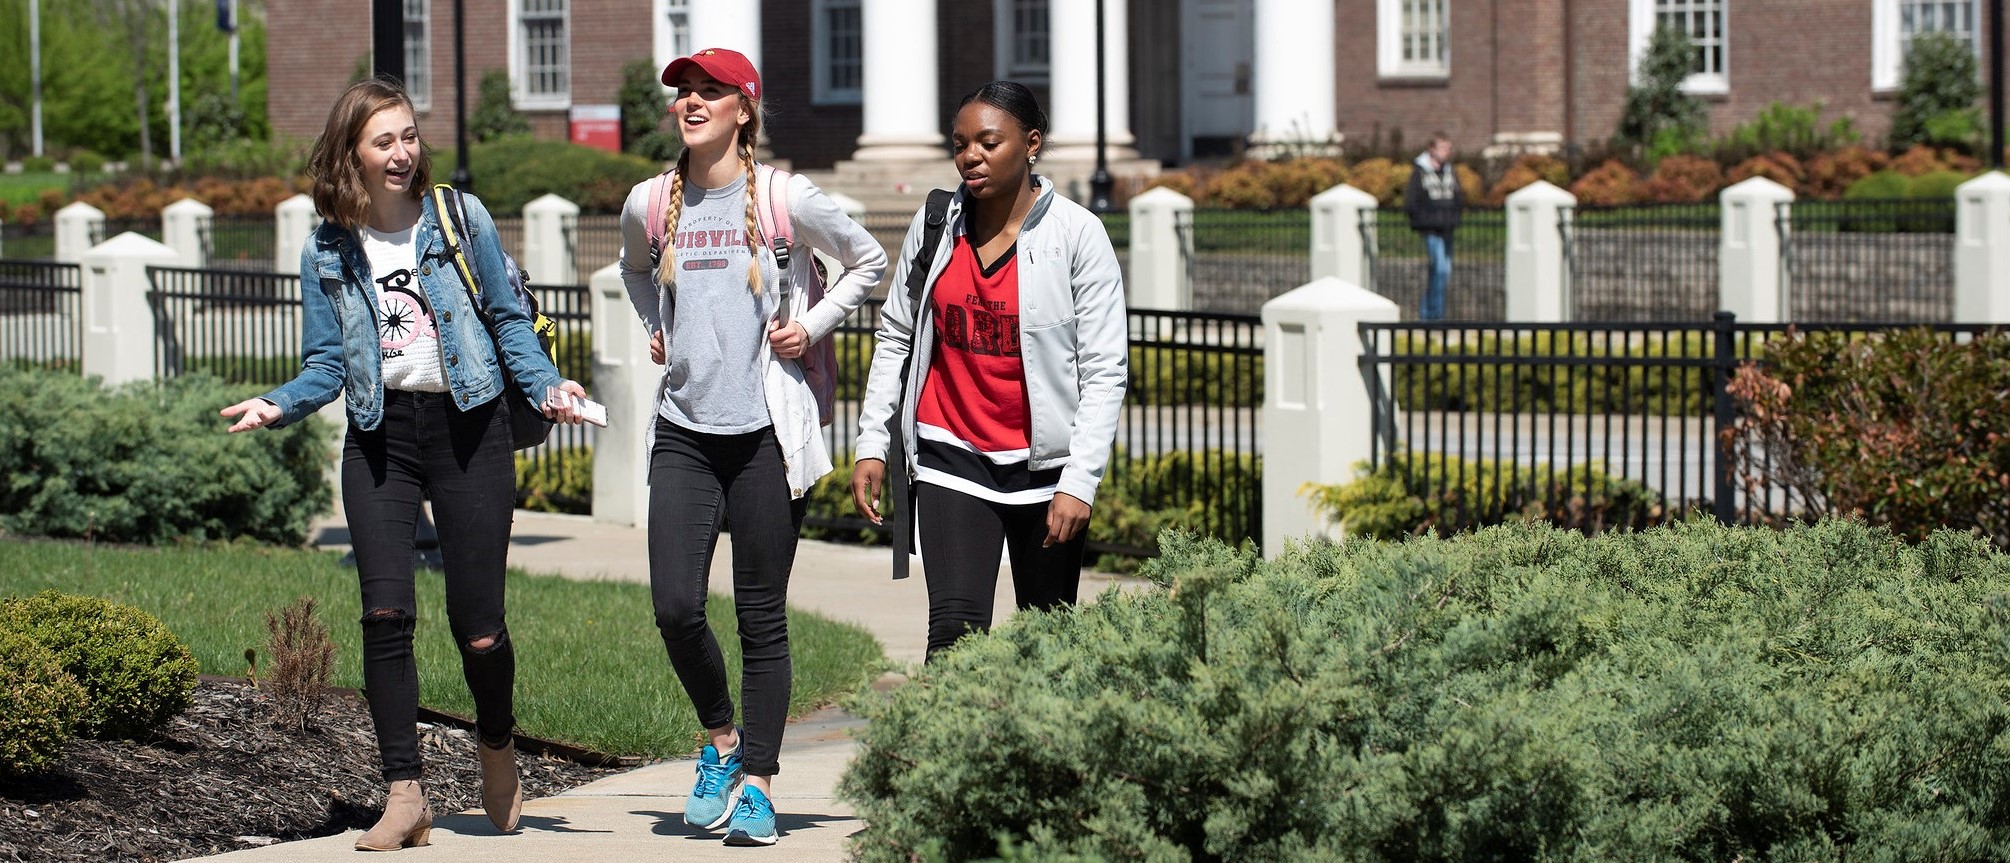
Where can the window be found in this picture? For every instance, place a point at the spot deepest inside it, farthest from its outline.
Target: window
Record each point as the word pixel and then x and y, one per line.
pixel 419 53
pixel 542 56
pixel 1894 24
pixel 1411 38
pixel 1023 40
pixel 838 52
pixel 1704 21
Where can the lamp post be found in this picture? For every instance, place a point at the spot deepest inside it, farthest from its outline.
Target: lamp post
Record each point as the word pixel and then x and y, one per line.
pixel 1099 182
pixel 462 179
pixel 1996 83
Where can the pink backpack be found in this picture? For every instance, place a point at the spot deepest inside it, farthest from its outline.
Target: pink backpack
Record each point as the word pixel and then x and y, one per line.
pixel 771 186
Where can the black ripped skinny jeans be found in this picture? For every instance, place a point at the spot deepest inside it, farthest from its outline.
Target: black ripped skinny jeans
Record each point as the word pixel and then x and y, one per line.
pixel 462 460
pixel 699 483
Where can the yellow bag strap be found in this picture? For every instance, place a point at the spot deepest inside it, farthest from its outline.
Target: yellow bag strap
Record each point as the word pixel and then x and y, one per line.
pixel 447 220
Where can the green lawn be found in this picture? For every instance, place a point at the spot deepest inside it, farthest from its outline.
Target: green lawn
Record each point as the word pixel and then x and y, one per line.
pixel 25 187
pixel 591 668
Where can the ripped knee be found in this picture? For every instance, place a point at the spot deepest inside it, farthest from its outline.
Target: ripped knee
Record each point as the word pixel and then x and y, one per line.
pixel 385 615
pixel 489 643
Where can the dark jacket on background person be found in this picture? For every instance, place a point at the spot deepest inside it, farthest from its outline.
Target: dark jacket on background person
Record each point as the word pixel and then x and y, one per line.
pixel 1434 197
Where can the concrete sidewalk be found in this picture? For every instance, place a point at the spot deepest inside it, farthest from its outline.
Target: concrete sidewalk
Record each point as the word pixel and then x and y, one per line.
pixel 640 813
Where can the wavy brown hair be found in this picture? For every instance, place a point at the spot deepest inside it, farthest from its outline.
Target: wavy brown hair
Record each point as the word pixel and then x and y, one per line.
pixel 666 268
pixel 336 171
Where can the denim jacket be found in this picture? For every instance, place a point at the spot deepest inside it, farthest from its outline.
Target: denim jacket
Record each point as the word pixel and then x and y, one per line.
pixel 340 353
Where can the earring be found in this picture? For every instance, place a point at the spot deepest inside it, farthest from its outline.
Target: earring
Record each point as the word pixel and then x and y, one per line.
pixel 1032 160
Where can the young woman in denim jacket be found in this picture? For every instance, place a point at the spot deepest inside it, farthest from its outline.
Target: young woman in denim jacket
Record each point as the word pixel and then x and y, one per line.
pixel 1017 361
pixel 734 433
pixel 387 323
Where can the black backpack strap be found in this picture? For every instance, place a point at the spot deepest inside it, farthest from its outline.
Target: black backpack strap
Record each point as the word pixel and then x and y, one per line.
pixel 900 487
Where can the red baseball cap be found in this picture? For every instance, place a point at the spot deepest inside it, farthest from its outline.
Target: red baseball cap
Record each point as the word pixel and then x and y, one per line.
pixel 725 65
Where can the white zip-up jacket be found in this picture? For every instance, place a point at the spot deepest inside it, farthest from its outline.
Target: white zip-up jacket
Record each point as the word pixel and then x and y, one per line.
pixel 1074 341
pixel 818 224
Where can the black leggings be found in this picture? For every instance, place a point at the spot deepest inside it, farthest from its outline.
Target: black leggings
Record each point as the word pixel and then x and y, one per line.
pixel 426 447
pixel 699 483
pixel 961 537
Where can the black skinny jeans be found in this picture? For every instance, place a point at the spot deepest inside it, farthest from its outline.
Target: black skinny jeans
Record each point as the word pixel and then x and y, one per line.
pixel 426 447
pixel 699 483
pixel 961 537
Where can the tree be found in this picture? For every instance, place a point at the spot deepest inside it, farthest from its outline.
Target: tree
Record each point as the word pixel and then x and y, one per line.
pixel 1938 88
pixel 494 116
pixel 132 25
pixel 1658 115
pixel 641 99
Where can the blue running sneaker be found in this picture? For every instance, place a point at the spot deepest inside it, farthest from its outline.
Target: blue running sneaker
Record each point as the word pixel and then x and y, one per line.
pixel 717 793
pixel 753 820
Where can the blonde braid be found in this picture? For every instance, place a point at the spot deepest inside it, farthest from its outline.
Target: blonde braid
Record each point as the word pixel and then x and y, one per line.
pixel 753 217
pixel 666 267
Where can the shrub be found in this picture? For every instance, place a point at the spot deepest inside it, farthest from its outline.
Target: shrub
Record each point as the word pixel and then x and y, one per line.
pixel 556 484
pixel 1937 184
pixel 39 704
pixel 1683 180
pixel 1525 171
pixel 494 115
pixel 1693 692
pixel 1790 129
pixel 1298 181
pixel 1921 159
pixel 1187 183
pixel 1780 167
pixel 1473 493
pixel 1904 430
pixel 1244 187
pixel 138 674
pixel 1611 184
pixel 1175 489
pixel 1828 174
pixel 1882 185
pixel 38 164
pixel 86 162
pixel 1939 76
pixel 511 172
pixel 302 655
pixel 151 463
pixel 1658 114
pixel 1380 177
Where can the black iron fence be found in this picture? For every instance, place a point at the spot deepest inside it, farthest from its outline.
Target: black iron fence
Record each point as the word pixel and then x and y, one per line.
pixel 595 242
pixel 240 326
pixel 1868 260
pixel 41 318
pixel 1398 268
pixel 1242 258
pixel 239 243
pixel 571 308
pixel 28 241
pixel 1641 262
pixel 109 228
pixel 1593 426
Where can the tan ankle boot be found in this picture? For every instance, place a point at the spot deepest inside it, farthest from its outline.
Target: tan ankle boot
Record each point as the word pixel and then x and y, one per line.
pixel 502 794
pixel 407 821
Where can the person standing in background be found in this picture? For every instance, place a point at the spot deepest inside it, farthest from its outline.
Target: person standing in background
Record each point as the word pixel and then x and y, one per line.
pixel 1433 202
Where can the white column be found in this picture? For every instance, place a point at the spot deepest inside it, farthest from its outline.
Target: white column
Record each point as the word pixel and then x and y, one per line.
pixel 624 379
pixel 900 89
pixel 1749 261
pixel 1338 247
pixel 1982 250
pixel 118 321
pixel 292 221
pixel 182 225
pixel 1317 414
pixel 74 226
pixel 547 257
pixel 1294 78
pixel 1071 108
pixel 1536 270
pixel 734 24
pixel 1160 251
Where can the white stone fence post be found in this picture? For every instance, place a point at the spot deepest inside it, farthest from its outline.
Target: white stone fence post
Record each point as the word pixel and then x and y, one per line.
pixel 624 379
pixel 547 250
pixel 77 227
pixel 1161 251
pixel 183 224
pixel 1749 283
pixel 1339 241
pixel 1317 408
pixel 1538 273
pixel 118 342
pixel 1982 250
pixel 291 221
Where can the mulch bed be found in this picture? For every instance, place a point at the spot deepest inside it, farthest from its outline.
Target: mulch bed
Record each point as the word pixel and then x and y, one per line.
pixel 222 777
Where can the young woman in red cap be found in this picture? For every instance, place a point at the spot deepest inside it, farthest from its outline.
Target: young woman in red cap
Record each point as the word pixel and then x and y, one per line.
pixel 735 434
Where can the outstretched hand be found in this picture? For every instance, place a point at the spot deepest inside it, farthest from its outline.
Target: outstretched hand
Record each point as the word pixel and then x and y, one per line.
pixel 251 413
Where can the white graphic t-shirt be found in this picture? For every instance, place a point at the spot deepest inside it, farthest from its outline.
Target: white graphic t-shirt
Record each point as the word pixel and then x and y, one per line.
pixel 405 328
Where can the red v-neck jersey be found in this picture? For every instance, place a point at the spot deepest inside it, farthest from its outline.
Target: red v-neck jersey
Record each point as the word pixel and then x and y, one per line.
pixel 976 388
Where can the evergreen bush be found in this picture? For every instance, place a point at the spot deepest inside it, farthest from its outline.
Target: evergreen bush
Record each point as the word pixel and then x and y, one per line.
pixel 1693 692
pixel 1658 115
pixel 643 103
pixel 138 674
pixel 151 463
pixel 512 172
pixel 495 115
pixel 1938 87
pixel 1473 493
pixel 556 484
pixel 39 704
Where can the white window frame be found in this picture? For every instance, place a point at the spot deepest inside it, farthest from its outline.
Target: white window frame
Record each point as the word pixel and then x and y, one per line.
pixel 1641 19
pixel 673 32
pixel 1887 42
pixel 519 72
pixel 419 53
pixel 1006 41
pixel 822 89
pixel 1389 38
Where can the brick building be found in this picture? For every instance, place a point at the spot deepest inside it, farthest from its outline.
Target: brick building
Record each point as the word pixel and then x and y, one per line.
pixel 1184 78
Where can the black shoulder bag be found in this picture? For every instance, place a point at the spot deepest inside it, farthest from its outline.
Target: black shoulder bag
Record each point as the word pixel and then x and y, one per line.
pixel 935 217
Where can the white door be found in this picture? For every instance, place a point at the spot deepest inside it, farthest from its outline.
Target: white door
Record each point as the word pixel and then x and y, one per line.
pixel 1217 55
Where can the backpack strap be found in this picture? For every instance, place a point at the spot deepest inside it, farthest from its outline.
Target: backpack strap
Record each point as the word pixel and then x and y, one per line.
pixel 773 212
pixel 453 226
pixel 934 218
pixel 659 192
pixel 900 487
